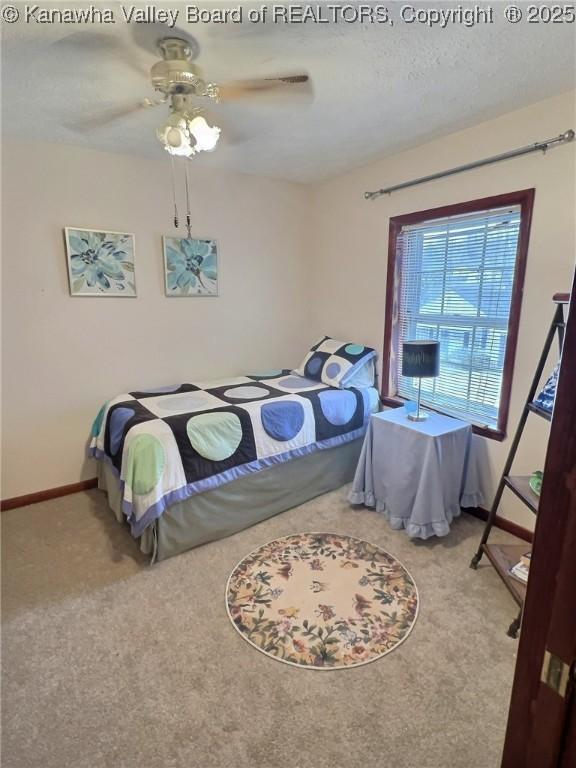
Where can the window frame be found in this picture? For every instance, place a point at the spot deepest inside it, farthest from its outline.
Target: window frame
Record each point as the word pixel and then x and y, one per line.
pixel 525 199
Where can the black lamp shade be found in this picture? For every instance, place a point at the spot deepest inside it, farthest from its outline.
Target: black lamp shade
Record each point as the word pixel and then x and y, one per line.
pixel 421 359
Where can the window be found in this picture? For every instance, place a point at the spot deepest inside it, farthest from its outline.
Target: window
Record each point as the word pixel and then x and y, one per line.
pixel 455 274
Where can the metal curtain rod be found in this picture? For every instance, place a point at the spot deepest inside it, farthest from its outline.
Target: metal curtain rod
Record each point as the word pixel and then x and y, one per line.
pixel 564 138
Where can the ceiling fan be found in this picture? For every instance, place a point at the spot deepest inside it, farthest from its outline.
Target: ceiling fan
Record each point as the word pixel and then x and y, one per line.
pixel 180 82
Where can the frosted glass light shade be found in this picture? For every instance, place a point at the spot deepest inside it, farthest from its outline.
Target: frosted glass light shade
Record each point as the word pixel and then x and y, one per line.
pixel 174 136
pixel 183 137
pixel 206 136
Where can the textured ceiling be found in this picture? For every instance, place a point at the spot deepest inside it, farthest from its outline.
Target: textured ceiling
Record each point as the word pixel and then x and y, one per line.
pixel 377 88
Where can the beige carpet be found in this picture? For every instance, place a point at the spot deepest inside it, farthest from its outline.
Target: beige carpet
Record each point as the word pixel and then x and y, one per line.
pixel 107 662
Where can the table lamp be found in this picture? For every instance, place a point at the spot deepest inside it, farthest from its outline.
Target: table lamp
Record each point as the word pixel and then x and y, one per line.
pixel 421 360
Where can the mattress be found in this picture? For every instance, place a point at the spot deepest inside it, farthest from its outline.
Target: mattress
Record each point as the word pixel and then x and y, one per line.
pixel 170 444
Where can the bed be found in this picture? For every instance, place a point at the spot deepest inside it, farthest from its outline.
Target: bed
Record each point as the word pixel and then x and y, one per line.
pixel 192 463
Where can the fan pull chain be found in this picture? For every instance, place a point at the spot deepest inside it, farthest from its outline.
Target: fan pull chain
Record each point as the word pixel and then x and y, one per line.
pixel 188 217
pixel 176 222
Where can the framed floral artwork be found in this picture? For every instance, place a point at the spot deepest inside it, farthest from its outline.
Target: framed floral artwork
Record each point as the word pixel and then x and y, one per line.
pixel 190 266
pixel 100 263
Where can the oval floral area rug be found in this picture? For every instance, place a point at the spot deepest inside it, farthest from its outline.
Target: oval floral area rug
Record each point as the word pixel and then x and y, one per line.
pixel 322 601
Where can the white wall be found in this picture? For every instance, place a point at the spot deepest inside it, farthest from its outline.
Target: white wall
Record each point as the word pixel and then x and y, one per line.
pixel 63 356
pixel 348 286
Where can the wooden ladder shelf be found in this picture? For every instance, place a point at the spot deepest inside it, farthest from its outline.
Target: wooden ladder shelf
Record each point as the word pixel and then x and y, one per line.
pixel 504 556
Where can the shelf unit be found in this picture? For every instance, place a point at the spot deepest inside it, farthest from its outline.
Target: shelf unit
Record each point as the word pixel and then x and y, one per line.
pixel 504 556
pixel 520 485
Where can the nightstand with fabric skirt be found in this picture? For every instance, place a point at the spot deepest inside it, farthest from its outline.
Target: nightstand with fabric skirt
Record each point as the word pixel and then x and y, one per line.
pixel 419 474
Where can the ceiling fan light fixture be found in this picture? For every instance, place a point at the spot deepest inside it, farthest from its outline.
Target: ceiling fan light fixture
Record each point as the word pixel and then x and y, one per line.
pixel 185 137
pixel 206 136
pixel 174 136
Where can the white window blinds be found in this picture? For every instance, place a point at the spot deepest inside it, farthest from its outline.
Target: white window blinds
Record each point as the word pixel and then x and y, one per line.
pixel 456 276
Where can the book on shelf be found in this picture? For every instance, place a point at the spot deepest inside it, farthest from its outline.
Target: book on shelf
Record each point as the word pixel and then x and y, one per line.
pixel 519 572
pixel 525 559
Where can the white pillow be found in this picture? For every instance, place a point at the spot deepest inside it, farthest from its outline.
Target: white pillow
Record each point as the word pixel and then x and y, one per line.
pixel 336 362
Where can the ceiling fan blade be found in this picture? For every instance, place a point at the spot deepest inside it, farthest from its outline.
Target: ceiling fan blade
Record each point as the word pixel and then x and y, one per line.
pixel 89 124
pixel 86 43
pixel 147 37
pixel 273 88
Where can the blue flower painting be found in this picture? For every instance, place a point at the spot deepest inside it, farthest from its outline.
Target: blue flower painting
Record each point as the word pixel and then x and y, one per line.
pixel 100 263
pixel 191 267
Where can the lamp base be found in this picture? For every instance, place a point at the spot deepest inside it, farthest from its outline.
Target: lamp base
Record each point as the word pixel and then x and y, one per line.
pixel 421 416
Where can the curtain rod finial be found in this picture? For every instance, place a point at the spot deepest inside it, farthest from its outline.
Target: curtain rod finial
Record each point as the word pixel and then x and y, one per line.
pixel 568 135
